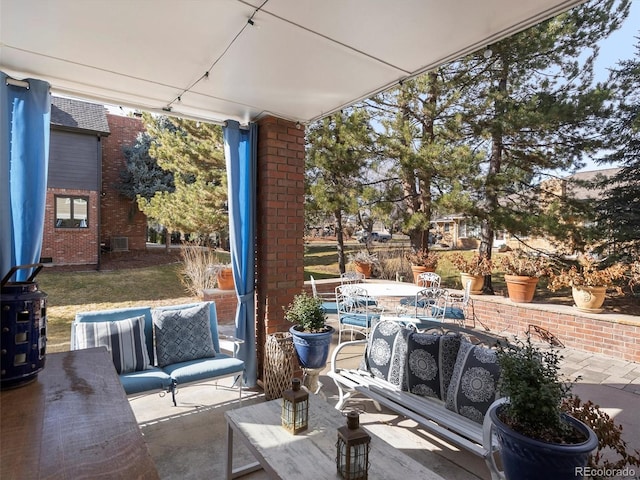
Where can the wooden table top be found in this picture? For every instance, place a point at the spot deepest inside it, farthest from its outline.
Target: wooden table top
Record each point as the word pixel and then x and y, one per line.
pixel 73 422
pixel 311 454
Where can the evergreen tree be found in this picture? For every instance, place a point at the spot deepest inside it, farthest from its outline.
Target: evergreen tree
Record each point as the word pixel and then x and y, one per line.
pixel 423 136
pixel 193 152
pixel 618 214
pixel 337 149
pixel 534 111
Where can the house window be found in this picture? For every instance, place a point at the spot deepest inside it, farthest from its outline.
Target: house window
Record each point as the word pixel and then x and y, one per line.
pixel 72 212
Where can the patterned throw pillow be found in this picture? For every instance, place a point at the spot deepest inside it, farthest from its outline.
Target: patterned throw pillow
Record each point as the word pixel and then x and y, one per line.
pixel 430 362
pixel 386 352
pixel 124 339
pixel 183 335
pixel 474 384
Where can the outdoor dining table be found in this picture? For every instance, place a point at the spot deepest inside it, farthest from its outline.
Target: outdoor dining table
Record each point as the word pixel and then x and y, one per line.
pixel 388 294
pixel 390 289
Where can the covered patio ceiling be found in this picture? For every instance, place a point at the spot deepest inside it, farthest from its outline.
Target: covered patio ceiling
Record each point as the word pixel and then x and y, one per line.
pixel 242 59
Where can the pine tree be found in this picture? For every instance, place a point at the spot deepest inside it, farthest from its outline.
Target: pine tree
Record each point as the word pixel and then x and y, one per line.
pixel 423 137
pixel 337 149
pixel 618 214
pixel 534 111
pixel 194 153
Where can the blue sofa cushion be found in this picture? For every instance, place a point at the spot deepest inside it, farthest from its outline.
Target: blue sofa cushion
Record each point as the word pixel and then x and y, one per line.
pixel 474 383
pixel 183 334
pixel 430 362
pixel 125 340
pixel 151 379
pixel 222 365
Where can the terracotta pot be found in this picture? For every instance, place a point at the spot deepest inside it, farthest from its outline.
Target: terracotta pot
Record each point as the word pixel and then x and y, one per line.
pixel 364 268
pixel 589 299
pixel 521 288
pixel 477 281
pixel 225 279
pixel 418 269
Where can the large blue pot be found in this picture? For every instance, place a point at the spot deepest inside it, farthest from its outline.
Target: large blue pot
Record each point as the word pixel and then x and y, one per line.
pixel 524 458
pixel 312 348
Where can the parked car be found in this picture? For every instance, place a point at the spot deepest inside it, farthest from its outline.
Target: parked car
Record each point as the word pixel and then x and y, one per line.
pixel 364 237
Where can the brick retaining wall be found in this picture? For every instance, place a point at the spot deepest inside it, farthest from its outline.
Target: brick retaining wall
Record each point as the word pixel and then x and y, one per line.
pixel 605 333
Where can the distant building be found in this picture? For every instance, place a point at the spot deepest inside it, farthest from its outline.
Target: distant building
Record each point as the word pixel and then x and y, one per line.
pixel 84 214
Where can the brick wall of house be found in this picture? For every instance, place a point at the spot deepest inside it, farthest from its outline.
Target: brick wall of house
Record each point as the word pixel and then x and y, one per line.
pixel 70 246
pixel 280 224
pixel 120 216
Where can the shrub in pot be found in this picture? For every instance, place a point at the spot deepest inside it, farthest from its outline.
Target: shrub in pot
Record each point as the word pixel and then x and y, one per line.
pixel 521 274
pixel 589 282
pixel 422 261
pixel 311 335
pixel 537 439
pixel 472 268
pixel 364 262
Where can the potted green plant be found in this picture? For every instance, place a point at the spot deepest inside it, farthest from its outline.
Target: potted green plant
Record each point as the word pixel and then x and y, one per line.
pixel 363 262
pixel 422 261
pixel 311 335
pixel 521 274
pixel 472 268
pixel 588 282
pixel 537 439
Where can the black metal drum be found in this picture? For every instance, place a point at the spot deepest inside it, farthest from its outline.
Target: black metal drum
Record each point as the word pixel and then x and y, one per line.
pixel 23 329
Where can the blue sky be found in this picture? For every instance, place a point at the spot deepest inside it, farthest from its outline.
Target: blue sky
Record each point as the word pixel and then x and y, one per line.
pixel 617 46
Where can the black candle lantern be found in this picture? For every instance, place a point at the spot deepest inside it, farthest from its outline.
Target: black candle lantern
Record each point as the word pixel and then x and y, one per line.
pixel 295 408
pixel 352 457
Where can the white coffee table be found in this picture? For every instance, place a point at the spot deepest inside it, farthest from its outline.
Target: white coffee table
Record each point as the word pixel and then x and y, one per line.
pixel 310 454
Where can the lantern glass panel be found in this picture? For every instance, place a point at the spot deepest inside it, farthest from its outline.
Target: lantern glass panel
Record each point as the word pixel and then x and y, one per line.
pixel 295 408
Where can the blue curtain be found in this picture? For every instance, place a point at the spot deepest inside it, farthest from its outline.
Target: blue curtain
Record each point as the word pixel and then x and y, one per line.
pixel 24 160
pixel 240 149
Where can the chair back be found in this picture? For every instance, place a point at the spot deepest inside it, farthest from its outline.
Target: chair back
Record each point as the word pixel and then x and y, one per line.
pixel 313 286
pixel 351 277
pixel 428 279
pixel 431 303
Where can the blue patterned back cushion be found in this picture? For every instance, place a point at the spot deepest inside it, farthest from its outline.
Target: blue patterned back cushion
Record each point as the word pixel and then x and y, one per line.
pixel 124 339
pixel 183 335
pixel 474 384
pixel 430 362
pixel 386 352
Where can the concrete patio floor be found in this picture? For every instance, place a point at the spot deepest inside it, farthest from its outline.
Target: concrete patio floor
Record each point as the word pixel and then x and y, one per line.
pixel 189 441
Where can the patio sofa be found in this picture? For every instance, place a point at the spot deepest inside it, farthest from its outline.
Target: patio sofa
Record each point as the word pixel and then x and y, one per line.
pixel 443 378
pixel 160 348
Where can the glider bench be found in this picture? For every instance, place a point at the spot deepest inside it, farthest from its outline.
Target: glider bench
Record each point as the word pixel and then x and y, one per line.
pixel 443 378
pixel 160 348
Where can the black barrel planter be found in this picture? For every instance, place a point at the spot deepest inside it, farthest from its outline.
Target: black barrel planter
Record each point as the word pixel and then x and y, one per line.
pixel 23 331
pixel 524 458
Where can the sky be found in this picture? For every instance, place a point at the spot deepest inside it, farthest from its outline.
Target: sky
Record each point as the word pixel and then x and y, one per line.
pixel 617 46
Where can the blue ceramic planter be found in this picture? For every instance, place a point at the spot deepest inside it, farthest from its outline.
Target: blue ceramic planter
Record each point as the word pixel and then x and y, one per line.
pixel 312 348
pixel 524 458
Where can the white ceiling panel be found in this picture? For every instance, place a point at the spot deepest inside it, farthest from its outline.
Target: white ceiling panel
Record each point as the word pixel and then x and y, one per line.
pixel 300 60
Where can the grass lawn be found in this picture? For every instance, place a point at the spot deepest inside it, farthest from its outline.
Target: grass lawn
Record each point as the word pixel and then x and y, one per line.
pixel 71 292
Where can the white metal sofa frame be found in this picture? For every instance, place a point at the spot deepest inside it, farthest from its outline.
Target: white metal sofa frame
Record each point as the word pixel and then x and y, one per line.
pixel 431 415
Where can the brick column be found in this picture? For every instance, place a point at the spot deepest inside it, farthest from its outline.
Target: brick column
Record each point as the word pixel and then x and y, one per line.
pixel 280 225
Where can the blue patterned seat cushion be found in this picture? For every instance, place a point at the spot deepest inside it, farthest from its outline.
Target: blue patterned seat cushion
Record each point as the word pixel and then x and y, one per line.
pixel 430 362
pixel 183 334
pixel 386 353
pixel 125 340
pixel 474 384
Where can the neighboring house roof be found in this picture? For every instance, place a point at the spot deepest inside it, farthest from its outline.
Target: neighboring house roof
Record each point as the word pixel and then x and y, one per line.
pixel 69 114
pixel 576 183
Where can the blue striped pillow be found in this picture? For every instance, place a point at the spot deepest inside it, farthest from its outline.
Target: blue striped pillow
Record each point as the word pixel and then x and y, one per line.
pixel 124 339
